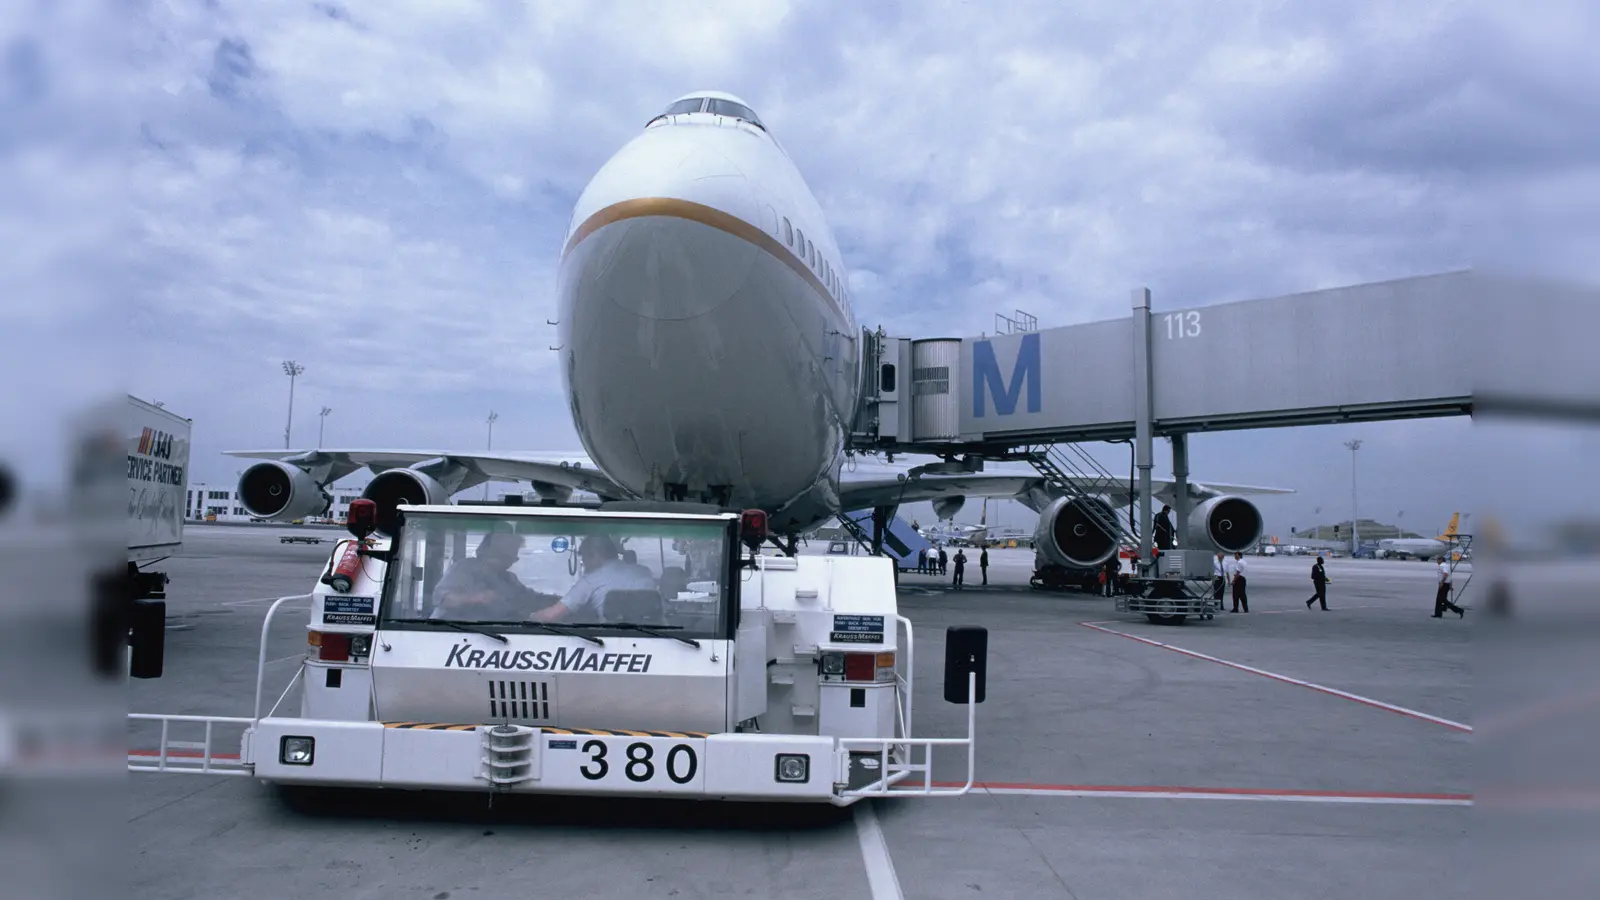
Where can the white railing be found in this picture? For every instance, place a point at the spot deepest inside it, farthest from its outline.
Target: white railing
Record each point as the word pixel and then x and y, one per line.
pixel 198 757
pixel 892 773
pixel 205 763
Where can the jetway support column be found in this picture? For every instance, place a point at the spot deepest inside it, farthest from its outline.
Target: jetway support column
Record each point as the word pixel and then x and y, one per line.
pixel 1142 386
pixel 1180 479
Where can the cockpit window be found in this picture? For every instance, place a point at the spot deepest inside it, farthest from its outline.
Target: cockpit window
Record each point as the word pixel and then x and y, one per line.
pixel 734 110
pixel 684 106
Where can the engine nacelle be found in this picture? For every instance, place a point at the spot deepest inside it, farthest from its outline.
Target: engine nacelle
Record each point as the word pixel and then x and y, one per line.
pixel 396 486
pixel 281 492
pixel 947 507
pixel 555 493
pixel 1230 524
pixel 1070 533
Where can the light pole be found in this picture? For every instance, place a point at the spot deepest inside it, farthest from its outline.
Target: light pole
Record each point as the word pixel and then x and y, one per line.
pixel 1355 535
pixel 291 369
pixel 490 446
pixel 323 424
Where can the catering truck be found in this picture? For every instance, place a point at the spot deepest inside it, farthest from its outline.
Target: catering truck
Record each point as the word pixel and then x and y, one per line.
pixel 630 651
pixel 158 482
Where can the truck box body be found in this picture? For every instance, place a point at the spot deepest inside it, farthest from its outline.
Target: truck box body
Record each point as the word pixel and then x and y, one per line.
pixel 158 479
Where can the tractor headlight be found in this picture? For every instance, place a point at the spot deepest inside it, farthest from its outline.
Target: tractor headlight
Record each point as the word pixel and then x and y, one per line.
pixel 833 663
pixel 794 767
pixel 296 751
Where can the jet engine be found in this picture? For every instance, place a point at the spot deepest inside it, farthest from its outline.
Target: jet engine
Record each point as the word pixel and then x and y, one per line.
pixel 947 507
pixel 1228 523
pixel 1070 533
pixel 391 488
pixel 281 492
pixel 558 494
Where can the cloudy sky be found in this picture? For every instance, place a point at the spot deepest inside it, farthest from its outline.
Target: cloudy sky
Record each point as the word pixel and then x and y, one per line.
pixel 198 191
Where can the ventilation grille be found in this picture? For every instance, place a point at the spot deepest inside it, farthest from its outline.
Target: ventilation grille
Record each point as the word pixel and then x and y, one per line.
pixel 526 700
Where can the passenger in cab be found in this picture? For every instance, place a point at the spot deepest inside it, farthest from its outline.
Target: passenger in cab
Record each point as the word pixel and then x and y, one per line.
pixel 603 571
pixel 482 588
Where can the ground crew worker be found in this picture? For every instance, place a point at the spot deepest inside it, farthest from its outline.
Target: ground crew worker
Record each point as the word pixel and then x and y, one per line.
pixel 1319 583
pixel 1113 568
pixel 1239 597
pixel 1441 600
pixel 983 564
pixel 944 560
pixel 604 571
pixel 1219 578
pixel 961 568
pixel 1164 527
pixel 482 587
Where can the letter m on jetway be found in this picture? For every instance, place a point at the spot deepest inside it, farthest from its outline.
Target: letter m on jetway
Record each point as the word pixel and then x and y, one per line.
pixel 986 378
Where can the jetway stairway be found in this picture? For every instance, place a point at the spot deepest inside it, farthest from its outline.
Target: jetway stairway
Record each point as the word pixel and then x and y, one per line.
pixel 1075 474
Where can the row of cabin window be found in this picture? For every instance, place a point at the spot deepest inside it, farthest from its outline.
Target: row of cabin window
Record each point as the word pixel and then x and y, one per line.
pixel 796 238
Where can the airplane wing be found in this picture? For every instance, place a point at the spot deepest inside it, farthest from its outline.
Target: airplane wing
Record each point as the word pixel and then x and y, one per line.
pixel 1032 491
pixel 571 470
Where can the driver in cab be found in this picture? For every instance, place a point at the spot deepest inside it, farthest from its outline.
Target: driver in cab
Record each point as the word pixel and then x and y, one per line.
pixel 603 572
pixel 483 589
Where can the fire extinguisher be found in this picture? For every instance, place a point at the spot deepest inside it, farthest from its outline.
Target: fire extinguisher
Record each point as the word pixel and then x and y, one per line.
pixel 344 574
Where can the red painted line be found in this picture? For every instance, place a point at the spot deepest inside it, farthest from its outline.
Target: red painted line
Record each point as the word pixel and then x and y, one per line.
pixel 1334 692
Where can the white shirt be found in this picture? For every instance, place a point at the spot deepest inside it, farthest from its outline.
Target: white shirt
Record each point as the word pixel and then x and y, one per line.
pixel 1219 568
pixel 1238 567
pixel 589 593
pixel 1444 574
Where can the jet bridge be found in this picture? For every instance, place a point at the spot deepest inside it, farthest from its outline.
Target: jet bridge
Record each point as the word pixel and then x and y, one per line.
pixel 1453 344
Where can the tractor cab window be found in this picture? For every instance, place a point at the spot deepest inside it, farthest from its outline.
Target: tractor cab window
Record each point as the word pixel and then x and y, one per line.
pixel 518 574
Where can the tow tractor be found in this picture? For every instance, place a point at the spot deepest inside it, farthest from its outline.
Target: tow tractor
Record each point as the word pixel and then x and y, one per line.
pixel 623 652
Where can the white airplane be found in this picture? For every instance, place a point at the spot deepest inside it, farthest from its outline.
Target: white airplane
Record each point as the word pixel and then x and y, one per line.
pixel 710 355
pixel 1447 542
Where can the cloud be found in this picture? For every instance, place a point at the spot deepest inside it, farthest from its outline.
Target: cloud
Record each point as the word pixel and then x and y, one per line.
pixel 381 193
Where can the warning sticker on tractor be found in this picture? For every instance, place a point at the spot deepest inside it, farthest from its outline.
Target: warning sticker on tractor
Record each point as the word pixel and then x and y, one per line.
pixel 853 629
pixel 348 611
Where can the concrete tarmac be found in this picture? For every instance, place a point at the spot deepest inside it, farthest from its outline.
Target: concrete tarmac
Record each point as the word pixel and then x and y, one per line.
pixel 1283 752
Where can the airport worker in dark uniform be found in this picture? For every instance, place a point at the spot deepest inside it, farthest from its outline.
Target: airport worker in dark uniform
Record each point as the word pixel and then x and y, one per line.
pixel 1319 584
pixel 1113 568
pixel 983 564
pixel 961 568
pixel 1164 527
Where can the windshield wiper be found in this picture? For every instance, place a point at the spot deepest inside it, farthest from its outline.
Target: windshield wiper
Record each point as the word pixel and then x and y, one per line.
pixel 502 622
pixel 655 630
pixel 554 629
pixel 456 625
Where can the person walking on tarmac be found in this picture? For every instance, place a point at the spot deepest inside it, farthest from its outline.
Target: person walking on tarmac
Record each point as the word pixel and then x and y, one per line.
pixel 983 564
pixel 961 568
pixel 944 560
pixel 1441 600
pixel 1319 584
pixel 1164 527
pixel 1113 568
pixel 1239 597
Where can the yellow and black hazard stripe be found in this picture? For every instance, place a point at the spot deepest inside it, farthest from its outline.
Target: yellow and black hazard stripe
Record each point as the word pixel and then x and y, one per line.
pixel 623 732
pixel 430 726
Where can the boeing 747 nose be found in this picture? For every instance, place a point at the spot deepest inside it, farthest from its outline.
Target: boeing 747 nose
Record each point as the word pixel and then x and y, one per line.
pixel 696 311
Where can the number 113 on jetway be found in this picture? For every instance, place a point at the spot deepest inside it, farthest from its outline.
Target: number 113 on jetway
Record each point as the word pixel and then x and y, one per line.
pixel 1183 324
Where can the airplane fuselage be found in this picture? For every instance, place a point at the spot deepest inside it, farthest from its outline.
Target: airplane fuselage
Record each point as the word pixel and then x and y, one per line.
pixel 708 346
